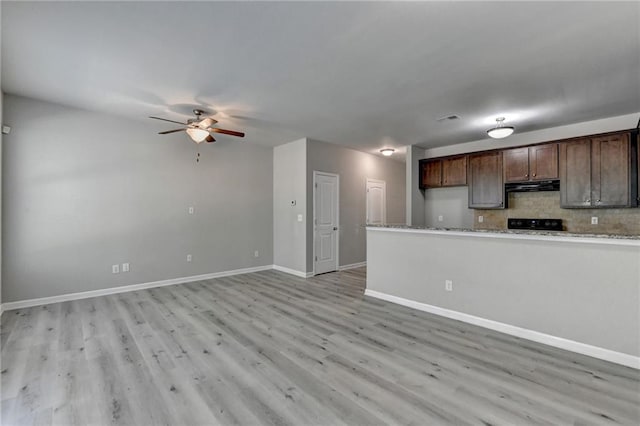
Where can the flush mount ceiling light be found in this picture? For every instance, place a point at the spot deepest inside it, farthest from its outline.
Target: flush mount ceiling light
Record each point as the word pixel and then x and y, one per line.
pixel 500 131
pixel 387 152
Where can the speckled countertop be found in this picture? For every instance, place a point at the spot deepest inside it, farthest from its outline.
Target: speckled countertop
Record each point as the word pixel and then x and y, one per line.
pixel 513 232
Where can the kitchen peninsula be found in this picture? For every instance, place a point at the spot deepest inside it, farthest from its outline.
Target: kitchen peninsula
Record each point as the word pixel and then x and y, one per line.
pixel 576 292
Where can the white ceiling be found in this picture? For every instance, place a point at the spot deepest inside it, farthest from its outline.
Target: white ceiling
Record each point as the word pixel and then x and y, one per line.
pixel 365 75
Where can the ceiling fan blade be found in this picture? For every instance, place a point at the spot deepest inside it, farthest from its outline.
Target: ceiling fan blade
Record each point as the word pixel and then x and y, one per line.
pixel 170 121
pixel 166 132
pixel 207 122
pixel 226 132
pixel 210 139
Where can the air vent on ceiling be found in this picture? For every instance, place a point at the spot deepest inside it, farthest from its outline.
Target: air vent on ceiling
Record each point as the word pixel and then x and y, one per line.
pixel 448 118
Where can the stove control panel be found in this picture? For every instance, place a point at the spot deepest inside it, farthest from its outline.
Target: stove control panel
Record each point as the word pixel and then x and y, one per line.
pixel 535 224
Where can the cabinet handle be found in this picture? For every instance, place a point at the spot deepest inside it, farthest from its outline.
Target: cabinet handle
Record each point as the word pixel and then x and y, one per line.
pixel 588 200
pixel 534 175
pixel 527 175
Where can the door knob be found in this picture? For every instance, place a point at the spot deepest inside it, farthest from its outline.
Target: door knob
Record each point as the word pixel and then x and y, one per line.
pixel 335 228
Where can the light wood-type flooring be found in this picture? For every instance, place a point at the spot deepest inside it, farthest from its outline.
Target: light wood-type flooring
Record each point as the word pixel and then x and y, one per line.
pixel 270 348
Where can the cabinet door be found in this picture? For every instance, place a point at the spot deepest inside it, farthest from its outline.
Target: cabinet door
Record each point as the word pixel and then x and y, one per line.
pixel 486 187
pixel 543 162
pixel 575 173
pixel 454 171
pixel 516 164
pixel 431 174
pixel 610 161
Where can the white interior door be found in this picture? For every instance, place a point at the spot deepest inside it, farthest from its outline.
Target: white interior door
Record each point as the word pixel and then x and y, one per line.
pixel 376 202
pixel 325 219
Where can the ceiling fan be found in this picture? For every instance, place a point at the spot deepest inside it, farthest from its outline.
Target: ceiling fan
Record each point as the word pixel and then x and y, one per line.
pixel 199 129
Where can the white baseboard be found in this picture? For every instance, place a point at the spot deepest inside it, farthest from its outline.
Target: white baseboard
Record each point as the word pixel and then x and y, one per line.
pixel 123 289
pixel 352 266
pixel 547 339
pixel 293 271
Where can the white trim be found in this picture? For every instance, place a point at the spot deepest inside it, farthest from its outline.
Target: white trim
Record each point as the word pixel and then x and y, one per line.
pixel 384 202
pixel 293 271
pixel 313 254
pixel 352 266
pixel 513 235
pixel 547 339
pixel 123 289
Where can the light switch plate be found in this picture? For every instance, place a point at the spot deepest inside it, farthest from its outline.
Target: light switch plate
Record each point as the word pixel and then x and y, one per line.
pixel 299 218
pixel 594 220
pixel 125 267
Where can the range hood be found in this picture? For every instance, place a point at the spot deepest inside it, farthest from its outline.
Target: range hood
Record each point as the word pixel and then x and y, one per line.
pixel 543 185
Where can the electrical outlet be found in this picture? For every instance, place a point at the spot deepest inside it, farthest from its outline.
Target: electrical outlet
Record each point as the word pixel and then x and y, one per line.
pixel 594 220
pixel 191 210
pixel 448 285
pixel 189 258
pixel 125 267
pixel 440 218
pixel 256 253
pixel 115 269
pixel 480 219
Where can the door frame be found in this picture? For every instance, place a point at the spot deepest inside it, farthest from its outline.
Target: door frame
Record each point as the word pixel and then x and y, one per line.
pixel 313 223
pixel 384 203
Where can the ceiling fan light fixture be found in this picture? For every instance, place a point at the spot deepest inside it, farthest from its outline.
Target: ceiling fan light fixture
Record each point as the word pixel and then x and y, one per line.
pixel 500 131
pixel 197 135
pixel 387 152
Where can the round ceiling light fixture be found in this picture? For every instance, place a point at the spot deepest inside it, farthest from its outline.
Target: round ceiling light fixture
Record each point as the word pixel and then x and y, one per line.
pixel 387 152
pixel 500 131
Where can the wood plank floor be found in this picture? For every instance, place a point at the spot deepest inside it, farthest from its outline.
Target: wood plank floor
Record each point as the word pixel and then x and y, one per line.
pixel 270 348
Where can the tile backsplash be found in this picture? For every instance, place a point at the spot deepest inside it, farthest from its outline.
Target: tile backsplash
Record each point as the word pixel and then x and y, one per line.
pixel 547 205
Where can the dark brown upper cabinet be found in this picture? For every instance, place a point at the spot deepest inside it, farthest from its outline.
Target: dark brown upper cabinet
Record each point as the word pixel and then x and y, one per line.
pixel 538 162
pixel 598 172
pixel 450 171
pixel 485 177
pixel 454 171
pixel 575 173
pixel 430 173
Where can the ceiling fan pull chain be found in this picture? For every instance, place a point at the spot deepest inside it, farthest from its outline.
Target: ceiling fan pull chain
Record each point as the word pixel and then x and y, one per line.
pixel 198 156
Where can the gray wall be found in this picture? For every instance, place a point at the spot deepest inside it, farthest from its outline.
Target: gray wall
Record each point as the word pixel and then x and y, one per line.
pixel 354 167
pixel 451 204
pixel 415 197
pixel 1 138
pixel 83 191
pixel 585 292
pixel 289 184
